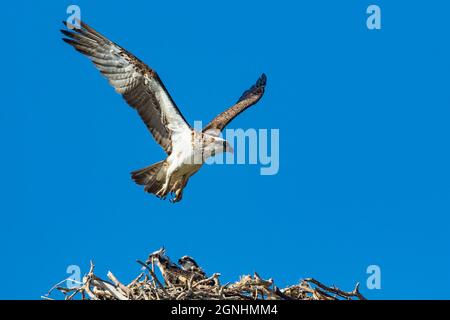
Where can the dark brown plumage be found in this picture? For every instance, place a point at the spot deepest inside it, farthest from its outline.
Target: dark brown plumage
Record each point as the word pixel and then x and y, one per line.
pixel 131 77
pixel 143 90
pixel 248 98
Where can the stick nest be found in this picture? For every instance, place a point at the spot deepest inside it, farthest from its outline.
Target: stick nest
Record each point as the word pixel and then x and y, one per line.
pixel 174 283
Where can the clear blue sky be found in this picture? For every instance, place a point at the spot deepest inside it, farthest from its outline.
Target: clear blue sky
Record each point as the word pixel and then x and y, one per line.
pixel 364 126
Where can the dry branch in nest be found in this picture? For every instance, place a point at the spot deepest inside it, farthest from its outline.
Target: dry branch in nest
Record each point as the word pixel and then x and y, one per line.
pixel 187 281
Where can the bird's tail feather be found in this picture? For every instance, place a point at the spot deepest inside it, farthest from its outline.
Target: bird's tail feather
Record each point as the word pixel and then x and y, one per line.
pixel 148 177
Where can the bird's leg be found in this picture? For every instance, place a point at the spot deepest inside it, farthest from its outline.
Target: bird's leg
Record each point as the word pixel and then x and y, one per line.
pixel 162 193
pixel 175 190
pixel 178 196
pixel 179 189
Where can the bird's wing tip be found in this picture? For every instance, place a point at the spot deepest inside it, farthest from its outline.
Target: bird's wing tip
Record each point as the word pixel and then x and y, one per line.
pixel 262 80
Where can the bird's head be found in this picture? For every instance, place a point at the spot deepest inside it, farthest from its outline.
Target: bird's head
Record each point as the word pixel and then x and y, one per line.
pixel 187 263
pixel 156 255
pixel 227 147
pixel 213 146
pixel 221 145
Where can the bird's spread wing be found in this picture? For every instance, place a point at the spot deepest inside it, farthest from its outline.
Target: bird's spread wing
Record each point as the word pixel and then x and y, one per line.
pixel 248 98
pixel 139 85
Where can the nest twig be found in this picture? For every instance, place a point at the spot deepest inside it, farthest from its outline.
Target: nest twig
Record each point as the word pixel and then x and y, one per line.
pixel 148 286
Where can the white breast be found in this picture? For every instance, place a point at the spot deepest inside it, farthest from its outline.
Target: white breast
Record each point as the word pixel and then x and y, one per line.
pixel 185 158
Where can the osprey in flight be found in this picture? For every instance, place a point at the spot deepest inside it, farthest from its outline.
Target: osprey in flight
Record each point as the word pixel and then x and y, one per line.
pixel 140 86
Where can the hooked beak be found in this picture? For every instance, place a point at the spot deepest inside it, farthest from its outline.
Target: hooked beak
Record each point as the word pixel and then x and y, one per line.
pixel 229 148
